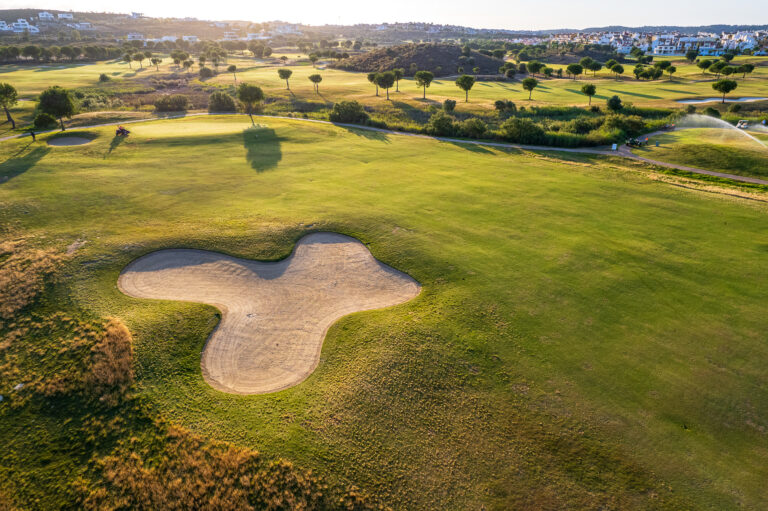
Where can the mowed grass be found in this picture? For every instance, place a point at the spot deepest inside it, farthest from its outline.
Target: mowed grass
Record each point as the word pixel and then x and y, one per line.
pixel 585 338
pixel 712 149
pixel 341 85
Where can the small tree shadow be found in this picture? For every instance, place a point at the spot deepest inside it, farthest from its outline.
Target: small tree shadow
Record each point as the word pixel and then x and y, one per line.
pixel 367 133
pixel 262 147
pixel 16 165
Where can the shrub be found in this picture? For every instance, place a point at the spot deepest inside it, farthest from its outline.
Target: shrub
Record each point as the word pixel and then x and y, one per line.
pixel 221 102
pixel 449 105
pixel 440 124
pixel 614 103
pixel 711 112
pixel 43 121
pixel 472 127
pixel 103 77
pixel 690 109
pixel 348 111
pixel 630 124
pixel 594 109
pixel 523 131
pixel 23 274
pixel 582 125
pixel 734 108
pixel 206 72
pixel 172 103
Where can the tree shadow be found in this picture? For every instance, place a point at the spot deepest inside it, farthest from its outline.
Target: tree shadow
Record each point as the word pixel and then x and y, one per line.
pixel 16 165
pixel 636 94
pixel 469 146
pixel 367 133
pixel 262 147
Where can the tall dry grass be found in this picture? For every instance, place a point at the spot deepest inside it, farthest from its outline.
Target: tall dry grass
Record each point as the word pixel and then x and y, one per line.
pixel 23 274
pixel 112 370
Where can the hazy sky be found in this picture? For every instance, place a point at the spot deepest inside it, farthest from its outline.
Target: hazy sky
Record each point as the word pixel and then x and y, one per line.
pixel 510 14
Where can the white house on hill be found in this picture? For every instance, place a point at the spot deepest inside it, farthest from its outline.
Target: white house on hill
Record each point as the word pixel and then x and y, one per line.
pixel 45 16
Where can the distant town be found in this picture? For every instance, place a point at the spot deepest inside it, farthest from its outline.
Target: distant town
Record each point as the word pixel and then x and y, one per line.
pixel 45 25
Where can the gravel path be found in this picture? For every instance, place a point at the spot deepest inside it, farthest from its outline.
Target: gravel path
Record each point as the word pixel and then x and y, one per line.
pixel 274 315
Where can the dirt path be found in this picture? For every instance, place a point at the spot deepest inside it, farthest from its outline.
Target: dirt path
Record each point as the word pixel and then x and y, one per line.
pixel 274 315
pixel 503 145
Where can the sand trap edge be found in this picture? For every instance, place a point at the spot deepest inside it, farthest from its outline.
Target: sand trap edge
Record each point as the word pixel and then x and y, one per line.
pixel 69 141
pixel 224 311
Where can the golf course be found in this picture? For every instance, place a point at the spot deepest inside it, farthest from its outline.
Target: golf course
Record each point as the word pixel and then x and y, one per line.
pixel 587 332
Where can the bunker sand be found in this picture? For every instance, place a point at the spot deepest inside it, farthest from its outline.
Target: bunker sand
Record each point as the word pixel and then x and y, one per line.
pixel 69 141
pixel 274 315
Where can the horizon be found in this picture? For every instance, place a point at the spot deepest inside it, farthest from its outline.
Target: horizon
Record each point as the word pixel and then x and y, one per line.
pixel 497 15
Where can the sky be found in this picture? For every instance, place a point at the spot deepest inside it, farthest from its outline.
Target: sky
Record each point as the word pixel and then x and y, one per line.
pixel 505 14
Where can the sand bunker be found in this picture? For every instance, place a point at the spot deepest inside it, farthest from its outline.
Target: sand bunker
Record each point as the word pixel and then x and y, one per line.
pixel 274 315
pixel 718 100
pixel 65 141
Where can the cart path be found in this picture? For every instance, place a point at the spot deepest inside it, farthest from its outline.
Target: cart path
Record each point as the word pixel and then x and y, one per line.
pixel 622 152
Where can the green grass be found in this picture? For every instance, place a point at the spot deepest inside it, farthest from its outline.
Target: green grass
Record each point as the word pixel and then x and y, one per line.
pixel 585 338
pixel 711 149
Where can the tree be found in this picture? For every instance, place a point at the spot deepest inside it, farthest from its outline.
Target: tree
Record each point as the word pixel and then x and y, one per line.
pixel 529 84
pixel 609 65
pixel 725 86
pixel 548 72
pixel 423 79
pixel 372 79
pixel 8 98
pixel 614 103
pixel 316 79
pixel 233 69
pixel 126 58
pixel 385 80
pixel 589 90
pixel 747 69
pixel 399 73
pixel 466 50
pixel 465 83
pixel 250 96
pixel 32 51
pixel 704 65
pixel 671 70
pixel 57 102
pixel 156 61
pixel 187 64
pixel 449 105
pixel 618 70
pixel 285 74
pixel 573 70
pixel 284 58
pixel 220 101
pixel 313 58
pixel 717 67
pixel 595 66
pixel 585 62
pixel 139 57
pixel 691 55
pixel 535 66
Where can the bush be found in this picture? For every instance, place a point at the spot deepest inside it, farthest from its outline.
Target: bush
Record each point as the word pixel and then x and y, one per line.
pixel 614 103
pixel 206 72
pixel 690 109
pixel 449 105
pixel 594 109
pixel 44 121
pixel 734 108
pixel 103 77
pixel 440 124
pixel 582 125
pixel 472 127
pixel 711 112
pixel 632 125
pixel 348 111
pixel 523 131
pixel 221 102
pixel 172 103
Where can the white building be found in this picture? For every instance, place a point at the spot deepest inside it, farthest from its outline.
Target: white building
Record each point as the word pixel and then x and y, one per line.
pixel 189 38
pixel 171 38
pixel 137 15
pixel 256 37
pixel 66 16
pixel 45 16
pixel 135 36
pixel 5 27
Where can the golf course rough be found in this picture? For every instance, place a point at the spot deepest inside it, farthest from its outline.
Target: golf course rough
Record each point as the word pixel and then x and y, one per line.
pixel 274 314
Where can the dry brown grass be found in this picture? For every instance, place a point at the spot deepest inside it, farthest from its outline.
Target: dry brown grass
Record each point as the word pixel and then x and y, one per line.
pixel 23 274
pixel 112 371
pixel 191 473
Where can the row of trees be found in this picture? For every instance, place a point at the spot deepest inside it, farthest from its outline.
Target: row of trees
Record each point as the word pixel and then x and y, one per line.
pixel 36 53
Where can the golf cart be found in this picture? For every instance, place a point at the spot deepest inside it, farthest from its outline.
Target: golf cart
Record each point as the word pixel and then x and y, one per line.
pixel 742 125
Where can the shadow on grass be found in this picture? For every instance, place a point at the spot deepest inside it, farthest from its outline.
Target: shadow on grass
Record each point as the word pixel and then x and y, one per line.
pixel 636 94
pixel 262 147
pixel 365 133
pixel 579 93
pixel 17 165
pixel 475 148
pixel 114 144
